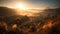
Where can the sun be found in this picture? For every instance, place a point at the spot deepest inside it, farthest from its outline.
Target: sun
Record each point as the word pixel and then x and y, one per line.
pixel 21 6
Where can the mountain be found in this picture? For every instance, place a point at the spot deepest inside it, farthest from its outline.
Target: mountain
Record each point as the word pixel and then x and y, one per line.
pixel 4 11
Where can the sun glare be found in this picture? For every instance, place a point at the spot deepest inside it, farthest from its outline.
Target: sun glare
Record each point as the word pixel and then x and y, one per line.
pixel 21 6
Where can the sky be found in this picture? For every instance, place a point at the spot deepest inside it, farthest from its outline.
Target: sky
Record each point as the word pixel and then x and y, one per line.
pixel 32 3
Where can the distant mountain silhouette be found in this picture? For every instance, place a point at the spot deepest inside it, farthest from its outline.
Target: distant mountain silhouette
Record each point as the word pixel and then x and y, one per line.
pixel 46 12
pixel 5 11
pixel 55 10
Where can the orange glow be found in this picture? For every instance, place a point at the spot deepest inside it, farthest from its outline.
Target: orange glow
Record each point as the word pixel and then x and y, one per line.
pixel 48 25
pixel 20 6
pixel 14 26
pixel 25 9
pixel 25 13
